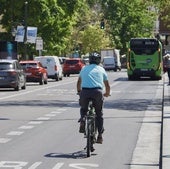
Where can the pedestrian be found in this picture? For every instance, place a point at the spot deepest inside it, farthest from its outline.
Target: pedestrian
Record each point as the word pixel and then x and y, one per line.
pixel 92 81
pixel 167 65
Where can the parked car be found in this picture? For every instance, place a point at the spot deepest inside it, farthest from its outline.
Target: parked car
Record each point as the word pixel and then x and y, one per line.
pixel 34 71
pixel 53 66
pixel 12 75
pixel 72 66
pixel 109 63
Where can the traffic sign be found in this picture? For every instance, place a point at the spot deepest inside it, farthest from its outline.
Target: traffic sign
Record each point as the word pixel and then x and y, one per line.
pixel 39 44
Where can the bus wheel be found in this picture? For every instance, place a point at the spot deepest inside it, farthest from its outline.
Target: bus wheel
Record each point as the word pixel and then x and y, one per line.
pixel 130 77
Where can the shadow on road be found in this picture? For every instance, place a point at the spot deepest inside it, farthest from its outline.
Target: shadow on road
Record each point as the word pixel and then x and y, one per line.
pixel 76 155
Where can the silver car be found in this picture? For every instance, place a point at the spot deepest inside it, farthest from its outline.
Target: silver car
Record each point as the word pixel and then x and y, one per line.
pixel 12 75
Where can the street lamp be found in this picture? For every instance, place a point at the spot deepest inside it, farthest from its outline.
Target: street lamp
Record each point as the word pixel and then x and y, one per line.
pixel 25 26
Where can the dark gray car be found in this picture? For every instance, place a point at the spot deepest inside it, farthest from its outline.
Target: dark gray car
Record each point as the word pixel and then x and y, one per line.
pixel 12 75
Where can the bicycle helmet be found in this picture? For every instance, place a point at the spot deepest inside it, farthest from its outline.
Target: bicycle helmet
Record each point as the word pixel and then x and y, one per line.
pixel 94 58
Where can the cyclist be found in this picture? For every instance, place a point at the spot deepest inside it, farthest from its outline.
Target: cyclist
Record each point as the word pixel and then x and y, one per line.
pixel 90 85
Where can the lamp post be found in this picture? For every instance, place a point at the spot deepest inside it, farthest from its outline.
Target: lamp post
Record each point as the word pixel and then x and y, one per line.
pixel 25 26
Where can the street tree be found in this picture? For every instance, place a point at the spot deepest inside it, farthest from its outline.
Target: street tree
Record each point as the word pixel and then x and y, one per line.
pixel 128 19
pixel 53 19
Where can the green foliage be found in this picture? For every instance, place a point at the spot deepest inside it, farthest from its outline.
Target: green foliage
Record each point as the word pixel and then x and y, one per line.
pixel 53 19
pixel 93 38
pixel 128 19
pixel 65 24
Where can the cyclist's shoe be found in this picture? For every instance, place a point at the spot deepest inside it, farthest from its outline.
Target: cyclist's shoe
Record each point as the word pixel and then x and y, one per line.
pixel 82 127
pixel 92 149
pixel 99 139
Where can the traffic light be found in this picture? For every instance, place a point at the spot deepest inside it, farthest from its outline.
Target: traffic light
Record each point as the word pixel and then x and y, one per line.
pixel 102 24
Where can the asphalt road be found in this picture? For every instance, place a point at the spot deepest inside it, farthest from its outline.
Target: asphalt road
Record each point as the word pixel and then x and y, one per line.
pixel 39 128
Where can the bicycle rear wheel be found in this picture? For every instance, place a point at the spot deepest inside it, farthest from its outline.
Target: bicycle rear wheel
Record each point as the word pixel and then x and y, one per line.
pixel 89 141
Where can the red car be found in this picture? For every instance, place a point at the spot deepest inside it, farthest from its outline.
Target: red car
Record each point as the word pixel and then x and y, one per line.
pixel 34 71
pixel 72 66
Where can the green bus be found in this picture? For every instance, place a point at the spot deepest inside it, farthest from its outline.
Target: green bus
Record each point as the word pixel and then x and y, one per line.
pixel 144 58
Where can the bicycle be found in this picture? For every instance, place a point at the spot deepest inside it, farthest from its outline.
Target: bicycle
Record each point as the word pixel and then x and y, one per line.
pixel 90 129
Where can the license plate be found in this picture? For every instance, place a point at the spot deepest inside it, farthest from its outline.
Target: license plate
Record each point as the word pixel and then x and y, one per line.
pixel 144 69
pixel 72 66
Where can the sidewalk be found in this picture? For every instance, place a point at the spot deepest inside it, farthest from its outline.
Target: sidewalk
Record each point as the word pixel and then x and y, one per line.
pixel 166 125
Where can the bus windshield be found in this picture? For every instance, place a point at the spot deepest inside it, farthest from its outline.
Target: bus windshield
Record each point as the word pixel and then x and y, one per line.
pixel 144 46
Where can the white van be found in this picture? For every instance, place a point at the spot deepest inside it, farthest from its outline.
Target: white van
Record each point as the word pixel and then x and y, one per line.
pixel 109 63
pixel 53 66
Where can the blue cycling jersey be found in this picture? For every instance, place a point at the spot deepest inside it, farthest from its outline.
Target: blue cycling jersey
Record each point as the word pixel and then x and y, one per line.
pixel 92 76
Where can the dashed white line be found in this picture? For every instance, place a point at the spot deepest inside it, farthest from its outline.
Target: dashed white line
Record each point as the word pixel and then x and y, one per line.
pixel 15 133
pixel 43 118
pixel 4 140
pixel 26 127
pixel 35 122
pixel 50 115
pixel 55 112
pixel 30 124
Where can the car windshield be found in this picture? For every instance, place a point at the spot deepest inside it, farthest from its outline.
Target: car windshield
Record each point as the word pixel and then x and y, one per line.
pixel 6 66
pixel 71 62
pixel 28 65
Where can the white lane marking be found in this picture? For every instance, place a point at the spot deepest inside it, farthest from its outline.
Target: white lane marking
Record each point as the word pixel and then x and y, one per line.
pixel 55 112
pixel 35 122
pixel 26 127
pixel 15 133
pixel 50 115
pixel 4 140
pixel 58 166
pixel 32 91
pixel 78 165
pixel 43 118
pixel 12 164
pixel 75 102
pixel 35 165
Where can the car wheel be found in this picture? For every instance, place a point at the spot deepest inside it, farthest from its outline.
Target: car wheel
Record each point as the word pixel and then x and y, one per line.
pixel 45 81
pixel 41 81
pixel 16 88
pixel 57 77
pixel 61 78
pixel 24 87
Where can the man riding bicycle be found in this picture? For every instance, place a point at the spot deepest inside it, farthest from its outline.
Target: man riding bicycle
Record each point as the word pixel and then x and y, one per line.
pixel 91 83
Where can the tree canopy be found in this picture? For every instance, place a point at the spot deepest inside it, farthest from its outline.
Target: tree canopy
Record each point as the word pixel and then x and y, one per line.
pixel 69 24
